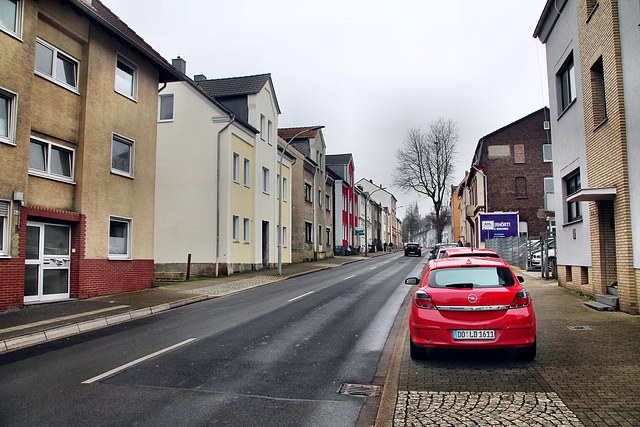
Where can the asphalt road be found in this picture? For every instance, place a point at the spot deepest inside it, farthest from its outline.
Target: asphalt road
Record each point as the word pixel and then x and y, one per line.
pixel 273 355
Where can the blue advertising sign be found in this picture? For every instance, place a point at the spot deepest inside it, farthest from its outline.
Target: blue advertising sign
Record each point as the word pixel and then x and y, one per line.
pixel 498 225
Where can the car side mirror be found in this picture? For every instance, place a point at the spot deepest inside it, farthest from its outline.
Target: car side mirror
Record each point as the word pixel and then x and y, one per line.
pixel 412 281
pixel 520 279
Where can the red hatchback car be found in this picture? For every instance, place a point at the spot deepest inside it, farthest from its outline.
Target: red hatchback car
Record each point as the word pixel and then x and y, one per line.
pixel 471 303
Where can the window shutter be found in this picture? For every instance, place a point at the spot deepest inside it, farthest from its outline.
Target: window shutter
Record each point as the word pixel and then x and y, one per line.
pixel 4 209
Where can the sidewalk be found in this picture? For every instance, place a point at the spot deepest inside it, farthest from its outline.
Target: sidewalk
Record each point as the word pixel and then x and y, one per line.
pixel 44 322
pixel 586 373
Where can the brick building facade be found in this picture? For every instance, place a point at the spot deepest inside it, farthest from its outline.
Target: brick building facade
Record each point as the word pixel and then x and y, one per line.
pixel 515 171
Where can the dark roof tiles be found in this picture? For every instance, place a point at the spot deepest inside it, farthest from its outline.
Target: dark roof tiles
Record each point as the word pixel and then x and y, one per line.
pixel 234 86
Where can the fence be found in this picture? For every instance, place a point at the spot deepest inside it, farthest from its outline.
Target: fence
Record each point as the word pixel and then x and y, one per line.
pixel 511 249
pixel 518 251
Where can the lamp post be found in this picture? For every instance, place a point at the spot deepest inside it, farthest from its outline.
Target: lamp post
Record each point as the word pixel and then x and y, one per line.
pixel 284 150
pixel 366 203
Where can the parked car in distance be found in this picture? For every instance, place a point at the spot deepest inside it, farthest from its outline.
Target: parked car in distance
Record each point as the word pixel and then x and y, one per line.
pixel 412 248
pixel 535 261
pixel 435 251
pixel 471 303
pixel 467 252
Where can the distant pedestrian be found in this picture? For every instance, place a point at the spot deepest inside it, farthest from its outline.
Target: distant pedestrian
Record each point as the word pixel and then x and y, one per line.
pixel 390 246
pixel 385 246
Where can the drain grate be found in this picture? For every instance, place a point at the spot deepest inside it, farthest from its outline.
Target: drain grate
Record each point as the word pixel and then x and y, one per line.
pixel 579 328
pixel 360 390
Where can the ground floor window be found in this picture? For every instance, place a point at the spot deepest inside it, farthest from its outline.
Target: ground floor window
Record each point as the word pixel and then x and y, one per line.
pixel 308 232
pixel 119 238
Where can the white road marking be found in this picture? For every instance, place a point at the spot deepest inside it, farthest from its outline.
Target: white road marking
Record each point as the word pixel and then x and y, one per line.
pixel 347 278
pixel 135 362
pixel 300 296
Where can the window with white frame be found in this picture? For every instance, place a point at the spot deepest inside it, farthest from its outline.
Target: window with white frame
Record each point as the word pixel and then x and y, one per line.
pixel 327 204
pixel 548 194
pixel 246 230
pixel 236 167
pixel 265 180
pixel 236 228
pixel 278 185
pixel 119 238
pixel 5 208
pixel 262 125
pixel 319 197
pixel 566 83
pixel 8 110
pixel 55 65
pixel 50 160
pixel 285 189
pixel 247 172
pixel 126 77
pixel 547 153
pixel 319 234
pixel 11 17
pixel 122 155
pixel 572 185
pixel 269 131
pixel 285 236
pixel 328 230
pixel 165 108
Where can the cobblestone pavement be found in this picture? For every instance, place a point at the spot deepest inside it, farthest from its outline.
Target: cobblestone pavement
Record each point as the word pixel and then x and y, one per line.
pixel 586 373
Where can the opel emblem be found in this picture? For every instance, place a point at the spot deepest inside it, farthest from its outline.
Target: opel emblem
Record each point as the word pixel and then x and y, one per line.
pixel 472 298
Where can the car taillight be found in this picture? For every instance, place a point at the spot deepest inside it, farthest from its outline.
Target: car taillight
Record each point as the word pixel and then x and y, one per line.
pixel 522 299
pixel 423 300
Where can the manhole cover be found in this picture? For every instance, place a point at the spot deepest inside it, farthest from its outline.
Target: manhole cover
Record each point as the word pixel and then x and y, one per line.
pixel 360 390
pixel 579 328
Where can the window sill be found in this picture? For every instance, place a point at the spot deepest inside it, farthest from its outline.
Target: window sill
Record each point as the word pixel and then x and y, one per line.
pixel 126 96
pixel 166 121
pixel 115 258
pixel 11 33
pixel 8 142
pixel 573 222
pixel 51 177
pixel 595 7
pixel 566 109
pixel 602 123
pixel 56 82
pixel 122 174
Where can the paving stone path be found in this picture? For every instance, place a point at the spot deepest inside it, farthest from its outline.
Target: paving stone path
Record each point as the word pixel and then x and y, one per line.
pixel 586 373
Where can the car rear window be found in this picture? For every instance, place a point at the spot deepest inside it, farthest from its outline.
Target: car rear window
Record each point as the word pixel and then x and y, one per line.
pixel 471 277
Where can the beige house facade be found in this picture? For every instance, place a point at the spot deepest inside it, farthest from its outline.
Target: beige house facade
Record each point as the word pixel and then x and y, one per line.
pixel 77 151
pixel 312 191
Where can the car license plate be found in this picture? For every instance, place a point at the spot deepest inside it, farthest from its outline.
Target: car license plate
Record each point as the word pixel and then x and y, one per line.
pixel 474 334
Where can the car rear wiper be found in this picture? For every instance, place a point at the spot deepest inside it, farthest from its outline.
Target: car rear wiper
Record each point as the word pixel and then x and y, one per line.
pixel 460 285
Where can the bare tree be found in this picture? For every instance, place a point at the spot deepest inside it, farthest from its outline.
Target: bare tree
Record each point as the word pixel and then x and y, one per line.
pixel 425 165
pixel 411 222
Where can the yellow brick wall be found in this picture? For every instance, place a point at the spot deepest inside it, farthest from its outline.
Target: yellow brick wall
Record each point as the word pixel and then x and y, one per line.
pixel 607 164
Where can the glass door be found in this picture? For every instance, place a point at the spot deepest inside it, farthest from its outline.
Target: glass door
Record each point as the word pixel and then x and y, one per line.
pixel 47 262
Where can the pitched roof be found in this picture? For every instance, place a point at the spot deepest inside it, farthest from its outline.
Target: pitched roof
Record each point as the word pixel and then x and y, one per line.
pixel 288 133
pixel 338 159
pixel 105 17
pixel 234 86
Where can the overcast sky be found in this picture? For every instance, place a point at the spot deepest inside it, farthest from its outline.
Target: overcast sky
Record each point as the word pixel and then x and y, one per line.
pixel 368 70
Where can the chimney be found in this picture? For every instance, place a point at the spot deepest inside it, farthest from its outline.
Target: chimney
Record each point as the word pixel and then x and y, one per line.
pixel 180 64
pixel 199 77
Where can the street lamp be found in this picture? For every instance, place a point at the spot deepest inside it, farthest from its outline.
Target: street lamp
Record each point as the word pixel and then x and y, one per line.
pixel 284 150
pixel 366 203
